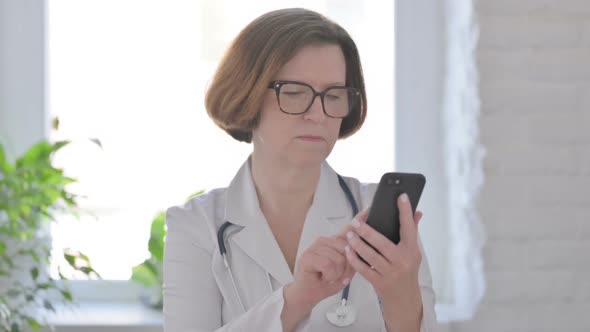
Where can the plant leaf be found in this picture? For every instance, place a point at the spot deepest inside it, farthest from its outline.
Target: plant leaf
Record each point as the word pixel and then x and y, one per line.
pixel 153 265
pixel 35 256
pixel 87 270
pixel 71 259
pixel 47 305
pixel 5 166
pixel 60 144
pixel 55 123
pixel 83 257
pixel 35 273
pixel 37 155
pixel 200 192
pixel 33 324
pixel 157 235
pixel 61 275
pixel 143 275
pixel 67 295
pixel 96 141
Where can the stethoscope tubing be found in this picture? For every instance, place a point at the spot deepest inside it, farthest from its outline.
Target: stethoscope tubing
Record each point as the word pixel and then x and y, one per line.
pixel 227 224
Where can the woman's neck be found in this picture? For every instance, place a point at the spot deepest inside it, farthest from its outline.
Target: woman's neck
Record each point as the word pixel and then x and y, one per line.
pixel 283 188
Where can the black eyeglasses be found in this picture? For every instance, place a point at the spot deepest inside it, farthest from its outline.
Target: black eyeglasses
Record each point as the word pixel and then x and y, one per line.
pixel 297 97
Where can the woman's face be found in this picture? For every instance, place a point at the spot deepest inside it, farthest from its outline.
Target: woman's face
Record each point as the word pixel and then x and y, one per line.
pixel 303 139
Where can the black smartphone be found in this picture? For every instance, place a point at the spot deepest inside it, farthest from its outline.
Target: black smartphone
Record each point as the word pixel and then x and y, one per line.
pixel 384 212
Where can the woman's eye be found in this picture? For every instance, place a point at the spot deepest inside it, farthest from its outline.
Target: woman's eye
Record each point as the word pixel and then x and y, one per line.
pixel 292 93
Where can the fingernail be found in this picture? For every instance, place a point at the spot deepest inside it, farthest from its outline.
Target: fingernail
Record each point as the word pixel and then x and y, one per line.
pixel 345 281
pixel 347 248
pixel 349 235
pixel 355 223
pixel 404 198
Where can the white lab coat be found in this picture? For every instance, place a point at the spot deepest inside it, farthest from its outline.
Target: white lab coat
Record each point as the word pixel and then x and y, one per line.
pixel 198 294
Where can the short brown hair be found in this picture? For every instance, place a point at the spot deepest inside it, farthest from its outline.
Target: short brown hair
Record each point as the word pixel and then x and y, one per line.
pixel 237 91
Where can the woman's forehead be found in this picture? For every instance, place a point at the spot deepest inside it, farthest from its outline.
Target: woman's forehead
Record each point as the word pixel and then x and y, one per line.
pixel 317 64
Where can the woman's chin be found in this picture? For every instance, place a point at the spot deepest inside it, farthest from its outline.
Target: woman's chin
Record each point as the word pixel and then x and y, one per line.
pixel 308 159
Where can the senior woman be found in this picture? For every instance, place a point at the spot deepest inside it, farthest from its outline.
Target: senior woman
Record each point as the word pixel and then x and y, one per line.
pixel 278 249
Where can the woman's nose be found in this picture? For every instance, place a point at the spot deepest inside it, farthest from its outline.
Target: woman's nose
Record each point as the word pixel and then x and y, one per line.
pixel 316 110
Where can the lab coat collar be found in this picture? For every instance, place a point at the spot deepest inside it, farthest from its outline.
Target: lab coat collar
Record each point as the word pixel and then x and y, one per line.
pixel 329 208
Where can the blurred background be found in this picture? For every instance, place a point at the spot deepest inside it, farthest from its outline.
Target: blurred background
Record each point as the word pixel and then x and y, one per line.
pixel 490 99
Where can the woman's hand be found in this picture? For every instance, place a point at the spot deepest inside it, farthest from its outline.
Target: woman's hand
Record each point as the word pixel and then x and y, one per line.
pixel 392 269
pixel 322 271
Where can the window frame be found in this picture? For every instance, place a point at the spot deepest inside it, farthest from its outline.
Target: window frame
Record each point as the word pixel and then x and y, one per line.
pixel 425 62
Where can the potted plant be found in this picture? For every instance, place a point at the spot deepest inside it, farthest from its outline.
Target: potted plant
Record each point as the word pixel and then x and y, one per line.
pixel 149 274
pixel 32 193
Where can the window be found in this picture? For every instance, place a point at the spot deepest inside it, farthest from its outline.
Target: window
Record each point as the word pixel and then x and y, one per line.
pixel 133 74
pixel 434 65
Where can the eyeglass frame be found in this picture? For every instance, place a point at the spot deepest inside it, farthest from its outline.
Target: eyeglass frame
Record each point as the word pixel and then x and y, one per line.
pixel 276 86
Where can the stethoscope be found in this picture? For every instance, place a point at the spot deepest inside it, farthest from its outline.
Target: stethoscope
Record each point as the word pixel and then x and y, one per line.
pixel 340 314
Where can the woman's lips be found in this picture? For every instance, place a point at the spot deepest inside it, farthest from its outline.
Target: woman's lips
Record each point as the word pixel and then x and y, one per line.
pixel 311 138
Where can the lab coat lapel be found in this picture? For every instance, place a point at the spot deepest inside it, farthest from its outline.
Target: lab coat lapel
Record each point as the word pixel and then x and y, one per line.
pixel 329 212
pixel 255 239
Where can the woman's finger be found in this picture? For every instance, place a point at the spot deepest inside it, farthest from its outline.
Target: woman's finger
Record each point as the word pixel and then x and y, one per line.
pixel 337 243
pixel 408 229
pixel 348 274
pixel 324 266
pixel 372 257
pixel 338 259
pixel 418 217
pixel 333 249
pixel 380 242
pixel 361 217
pixel 359 266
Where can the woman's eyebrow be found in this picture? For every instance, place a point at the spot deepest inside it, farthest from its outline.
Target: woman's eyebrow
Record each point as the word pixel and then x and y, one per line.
pixel 312 84
pixel 333 84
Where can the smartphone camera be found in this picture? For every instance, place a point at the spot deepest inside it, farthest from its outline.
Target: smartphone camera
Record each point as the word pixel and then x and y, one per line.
pixel 393 181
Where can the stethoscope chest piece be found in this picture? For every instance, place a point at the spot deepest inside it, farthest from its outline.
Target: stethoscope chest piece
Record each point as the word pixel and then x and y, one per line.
pixel 341 315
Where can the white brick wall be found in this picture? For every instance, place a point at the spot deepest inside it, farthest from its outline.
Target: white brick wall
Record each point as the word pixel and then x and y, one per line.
pixel 534 62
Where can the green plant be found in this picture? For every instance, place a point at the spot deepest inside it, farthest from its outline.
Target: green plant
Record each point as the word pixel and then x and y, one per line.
pixel 149 274
pixel 32 193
